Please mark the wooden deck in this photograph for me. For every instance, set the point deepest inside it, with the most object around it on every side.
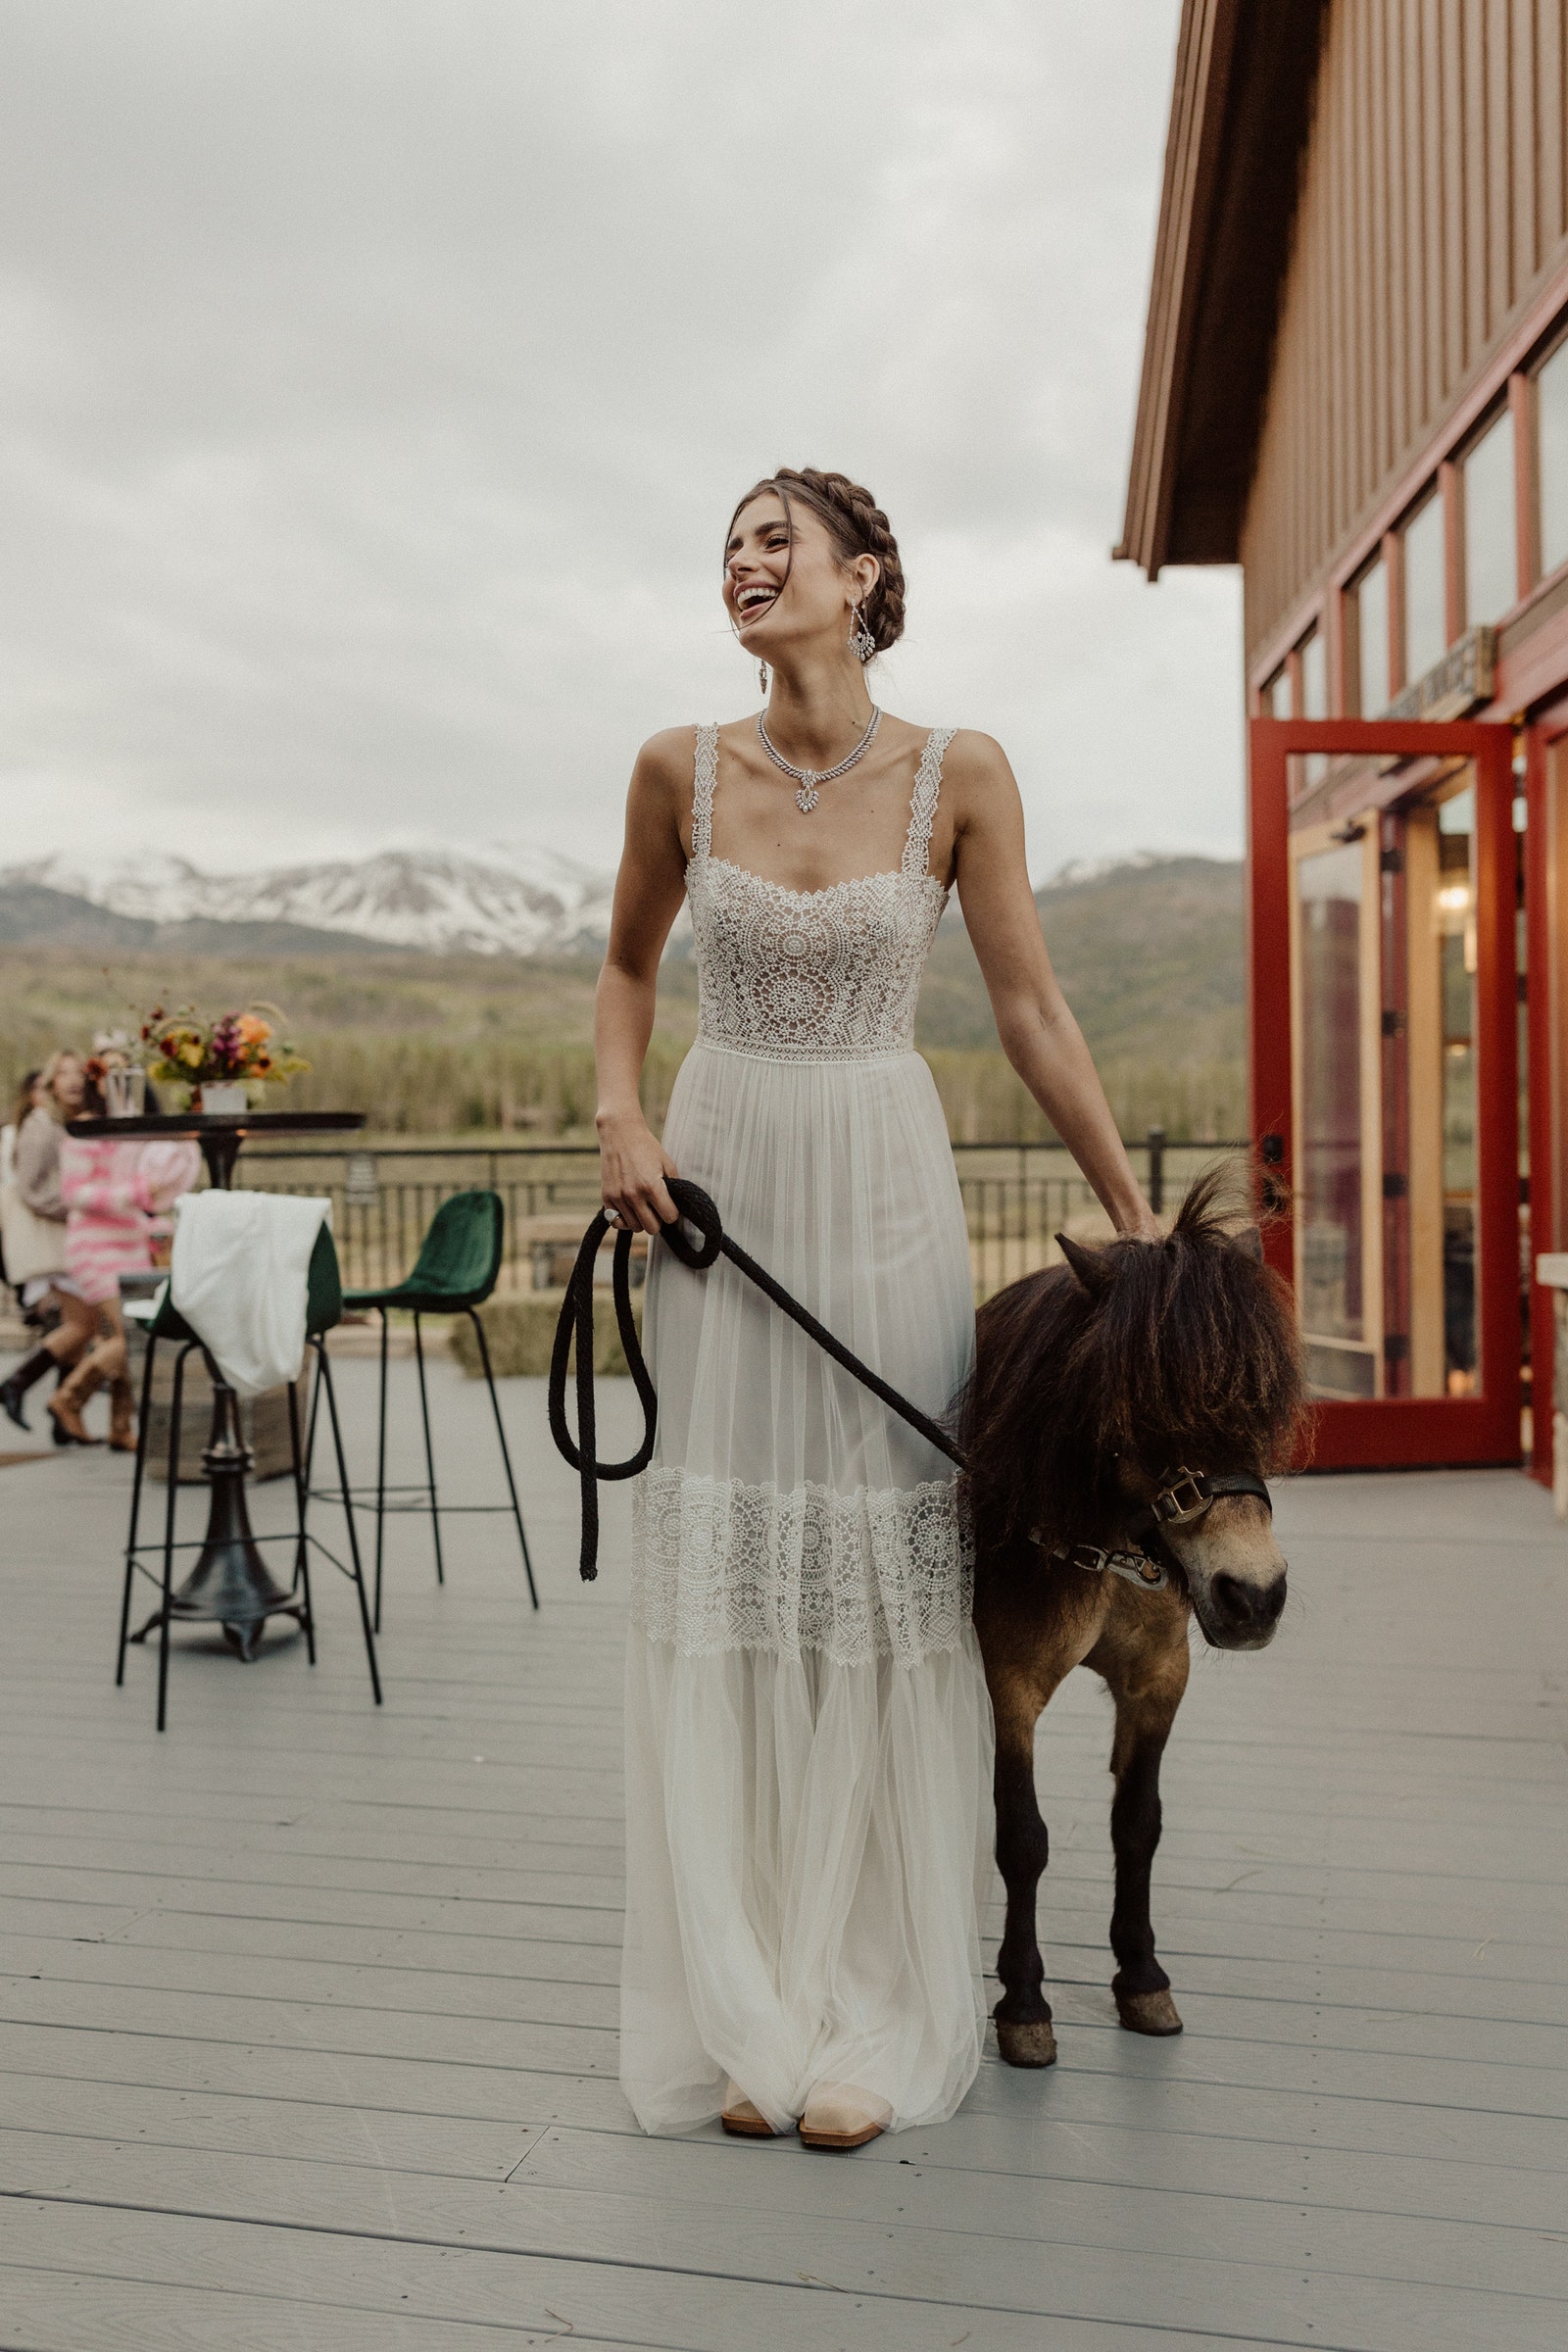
(309, 2024)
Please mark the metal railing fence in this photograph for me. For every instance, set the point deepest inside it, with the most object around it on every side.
(1016, 1196)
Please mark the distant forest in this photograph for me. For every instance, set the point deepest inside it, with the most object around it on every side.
(1150, 955)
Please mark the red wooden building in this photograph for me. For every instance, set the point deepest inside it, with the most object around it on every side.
(1355, 386)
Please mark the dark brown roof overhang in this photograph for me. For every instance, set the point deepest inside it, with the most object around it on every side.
(1240, 114)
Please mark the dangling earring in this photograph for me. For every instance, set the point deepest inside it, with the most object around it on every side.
(863, 644)
(761, 675)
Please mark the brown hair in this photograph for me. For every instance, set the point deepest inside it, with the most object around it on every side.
(856, 526)
(24, 1085)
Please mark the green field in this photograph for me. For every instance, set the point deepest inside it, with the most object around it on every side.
(1151, 958)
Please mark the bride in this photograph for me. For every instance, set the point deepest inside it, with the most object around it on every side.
(807, 1727)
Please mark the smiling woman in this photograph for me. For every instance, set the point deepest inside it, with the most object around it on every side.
(807, 1731)
(856, 528)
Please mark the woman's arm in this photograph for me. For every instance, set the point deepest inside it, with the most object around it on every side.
(1037, 1033)
(90, 1187)
(169, 1169)
(632, 1163)
(37, 1165)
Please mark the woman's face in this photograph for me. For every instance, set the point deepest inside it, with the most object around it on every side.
(769, 615)
(69, 1085)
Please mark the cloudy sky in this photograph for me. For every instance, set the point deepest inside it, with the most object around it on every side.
(378, 375)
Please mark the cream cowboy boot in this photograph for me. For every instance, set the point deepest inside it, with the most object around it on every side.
(739, 2118)
(840, 2115)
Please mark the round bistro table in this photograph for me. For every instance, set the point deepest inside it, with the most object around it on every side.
(230, 1584)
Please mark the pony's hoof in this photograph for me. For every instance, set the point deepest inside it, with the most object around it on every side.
(1149, 2012)
(1026, 2046)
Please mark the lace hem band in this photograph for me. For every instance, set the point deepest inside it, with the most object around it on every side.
(720, 1565)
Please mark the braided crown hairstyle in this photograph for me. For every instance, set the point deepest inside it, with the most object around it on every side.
(856, 526)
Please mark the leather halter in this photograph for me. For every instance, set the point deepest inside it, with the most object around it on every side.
(1187, 1496)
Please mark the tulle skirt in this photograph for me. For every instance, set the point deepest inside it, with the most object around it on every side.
(807, 1727)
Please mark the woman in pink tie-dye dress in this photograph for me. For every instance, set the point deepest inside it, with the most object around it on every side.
(117, 1197)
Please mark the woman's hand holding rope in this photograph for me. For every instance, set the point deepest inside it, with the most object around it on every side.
(634, 1166)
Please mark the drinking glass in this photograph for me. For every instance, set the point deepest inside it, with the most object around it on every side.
(125, 1093)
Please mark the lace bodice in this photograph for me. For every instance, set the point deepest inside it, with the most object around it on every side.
(812, 975)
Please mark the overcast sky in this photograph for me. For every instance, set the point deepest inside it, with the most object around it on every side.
(378, 375)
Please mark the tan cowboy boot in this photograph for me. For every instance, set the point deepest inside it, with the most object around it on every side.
(840, 2115)
(122, 1417)
(740, 2117)
(68, 1398)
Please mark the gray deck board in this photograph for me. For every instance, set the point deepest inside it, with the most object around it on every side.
(934, 2239)
(308, 2014)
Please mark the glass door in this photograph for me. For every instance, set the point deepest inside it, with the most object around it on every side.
(1337, 1213)
(1382, 958)
(1433, 947)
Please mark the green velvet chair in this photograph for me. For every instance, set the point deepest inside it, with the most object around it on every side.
(453, 1274)
(161, 1322)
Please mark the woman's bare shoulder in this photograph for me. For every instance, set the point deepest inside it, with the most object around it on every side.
(977, 778)
(668, 757)
(971, 755)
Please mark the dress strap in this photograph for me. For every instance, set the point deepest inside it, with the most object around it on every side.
(923, 801)
(705, 775)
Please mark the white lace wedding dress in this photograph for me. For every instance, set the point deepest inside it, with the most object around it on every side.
(807, 1727)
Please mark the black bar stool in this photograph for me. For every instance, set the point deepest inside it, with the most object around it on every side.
(453, 1274)
(230, 1584)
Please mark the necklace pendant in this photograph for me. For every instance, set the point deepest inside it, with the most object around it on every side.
(806, 797)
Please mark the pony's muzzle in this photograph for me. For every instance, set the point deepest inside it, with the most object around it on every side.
(1235, 1571)
(1241, 1611)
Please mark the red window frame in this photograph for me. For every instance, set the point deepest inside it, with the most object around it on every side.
(1393, 1433)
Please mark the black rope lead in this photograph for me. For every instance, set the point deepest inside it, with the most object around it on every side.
(577, 1323)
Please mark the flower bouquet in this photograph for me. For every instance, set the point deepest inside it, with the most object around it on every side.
(220, 1061)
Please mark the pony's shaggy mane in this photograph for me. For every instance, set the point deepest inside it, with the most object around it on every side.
(1182, 1353)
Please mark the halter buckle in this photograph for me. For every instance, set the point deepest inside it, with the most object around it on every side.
(1186, 1499)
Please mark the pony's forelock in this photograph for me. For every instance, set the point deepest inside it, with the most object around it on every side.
(1187, 1355)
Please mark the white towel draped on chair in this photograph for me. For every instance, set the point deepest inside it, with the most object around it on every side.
(239, 1275)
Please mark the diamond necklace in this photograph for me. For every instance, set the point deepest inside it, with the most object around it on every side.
(807, 779)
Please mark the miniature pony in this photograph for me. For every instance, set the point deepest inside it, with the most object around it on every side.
(1123, 1412)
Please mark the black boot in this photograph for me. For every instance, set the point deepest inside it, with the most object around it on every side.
(13, 1390)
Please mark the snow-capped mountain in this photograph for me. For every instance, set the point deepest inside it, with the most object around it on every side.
(501, 899)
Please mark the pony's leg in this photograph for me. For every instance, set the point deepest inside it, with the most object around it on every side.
(1024, 2033)
(1142, 1656)
(1024, 1660)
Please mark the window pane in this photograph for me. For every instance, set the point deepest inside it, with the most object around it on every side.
(1277, 695)
(1315, 703)
(1426, 619)
(1315, 677)
(1329, 1171)
(1457, 949)
(1491, 581)
(1372, 635)
(1430, 1073)
(1552, 391)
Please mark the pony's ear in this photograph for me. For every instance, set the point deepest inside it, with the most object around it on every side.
(1249, 1242)
(1088, 1266)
